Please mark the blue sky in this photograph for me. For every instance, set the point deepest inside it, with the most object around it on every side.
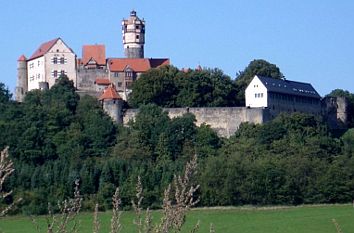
(310, 41)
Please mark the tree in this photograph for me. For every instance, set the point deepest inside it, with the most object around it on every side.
(169, 87)
(205, 88)
(6, 169)
(348, 142)
(256, 67)
(149, 123)
(5, 94)
(155, 87)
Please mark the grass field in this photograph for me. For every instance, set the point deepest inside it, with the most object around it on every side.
(230, 220)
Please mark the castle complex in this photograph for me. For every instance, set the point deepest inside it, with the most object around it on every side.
(110, 80)
(93, 72)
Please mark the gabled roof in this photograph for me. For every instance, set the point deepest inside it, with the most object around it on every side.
(289, 87)
(97, 52)
(22, 58)
(43, 49)
(110, 93)
(139, 65)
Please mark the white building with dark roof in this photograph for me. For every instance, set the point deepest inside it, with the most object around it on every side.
(280, 95)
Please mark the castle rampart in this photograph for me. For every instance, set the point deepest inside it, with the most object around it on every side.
(224, 120)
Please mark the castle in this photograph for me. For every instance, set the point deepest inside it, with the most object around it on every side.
(110, 80)
(93, 72)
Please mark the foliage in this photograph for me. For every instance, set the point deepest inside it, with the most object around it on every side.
(56, 137)
(169, 87)
(6, 169)
(155, 86)
(5, 94)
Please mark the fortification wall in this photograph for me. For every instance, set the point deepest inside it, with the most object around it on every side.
(225, 121)
(335, 111)
(86, 78)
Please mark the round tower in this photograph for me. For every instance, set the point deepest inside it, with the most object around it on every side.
(21, 86)
(112, 103)
(133, 30)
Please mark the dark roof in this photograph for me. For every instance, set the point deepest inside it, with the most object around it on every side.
(289, 87)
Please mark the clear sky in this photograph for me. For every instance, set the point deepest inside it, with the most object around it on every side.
(310, 41)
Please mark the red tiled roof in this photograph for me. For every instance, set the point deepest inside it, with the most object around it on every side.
(44, 48)
(97, 52)
(137, 64)
(110, 93)
(102, 81)
(22, 58)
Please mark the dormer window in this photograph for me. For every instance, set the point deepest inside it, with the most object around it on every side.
(129, 74)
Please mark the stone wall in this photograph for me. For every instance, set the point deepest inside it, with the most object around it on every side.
(225, 121)
(86, 78)
(335, 112)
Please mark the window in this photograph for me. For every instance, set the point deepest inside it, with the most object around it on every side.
(137, 37)
(38, 76)
(255, 95)
(39, 63)
(55, 73)
(32, 78)
(261, 95)
(62, 72)
(137, 27)
(31, 65)
(62, 60)
(55, 60)
(119, 84)
(129, 74)
(116, 74)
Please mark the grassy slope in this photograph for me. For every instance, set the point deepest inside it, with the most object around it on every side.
(301, 219)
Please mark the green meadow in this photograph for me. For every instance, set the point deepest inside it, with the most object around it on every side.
(241, 219)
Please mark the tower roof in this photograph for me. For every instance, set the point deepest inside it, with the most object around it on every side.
(110, 93)
(133, 18)
(22, 58)
(133, 13)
